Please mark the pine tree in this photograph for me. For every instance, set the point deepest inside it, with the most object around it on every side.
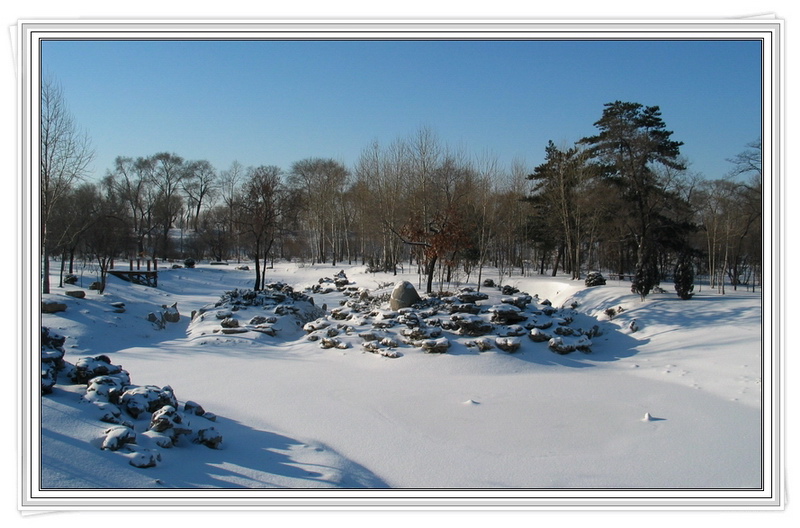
(633, 140)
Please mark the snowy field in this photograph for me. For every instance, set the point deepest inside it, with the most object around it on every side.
(676, 404)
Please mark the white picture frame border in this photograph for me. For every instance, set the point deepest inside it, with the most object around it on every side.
(770, 496)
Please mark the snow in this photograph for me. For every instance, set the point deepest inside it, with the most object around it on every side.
(295, 415)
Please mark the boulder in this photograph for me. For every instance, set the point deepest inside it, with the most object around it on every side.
(78, 294)
(403, 295)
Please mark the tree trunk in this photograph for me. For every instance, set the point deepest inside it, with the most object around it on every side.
(430, 269)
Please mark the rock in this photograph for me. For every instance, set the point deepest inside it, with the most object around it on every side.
(261, 329)
(506, 314)
(558, 345)
(171, 314)
(209, 437)
(520, 301)
(488, 283)
(377, 348)
(235, 330)
(50, 307)
(258, 320)
(96, 286)
(484, 344)
(470, 308)
(470, 297)
(509, 290)
(49, 377)
(88, 368)
(331, 342)
(104, 389)
(403, 295)
(52, 359)
(157, 320)
(116, 437)
(389, 342)
(538, 336)
(508, 344)
(71, 279)
(191, 407)
(145, 459)
(435, 346)
(471, 325)
(138, 400)
(78, 294)
(163, 419)
(230, 322)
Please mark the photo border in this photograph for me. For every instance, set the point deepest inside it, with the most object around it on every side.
(771, 495)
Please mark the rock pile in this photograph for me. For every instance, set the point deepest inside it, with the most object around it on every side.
(282, 309)
(142, 418)
(52, 358)
(435, 323)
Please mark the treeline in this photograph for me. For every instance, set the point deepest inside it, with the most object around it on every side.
(621, 202)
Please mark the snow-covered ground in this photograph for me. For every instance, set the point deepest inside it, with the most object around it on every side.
(295, 415)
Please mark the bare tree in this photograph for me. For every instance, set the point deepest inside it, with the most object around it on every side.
(259, 207)
(322, 183)
(168, 173)
(64, 159)
(200, 185)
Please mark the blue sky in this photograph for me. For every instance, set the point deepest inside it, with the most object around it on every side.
(273, 103)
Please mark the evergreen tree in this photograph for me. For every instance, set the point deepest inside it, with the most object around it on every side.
(632, 142)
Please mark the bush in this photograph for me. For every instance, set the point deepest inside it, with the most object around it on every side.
(595, 278)
(189, 263)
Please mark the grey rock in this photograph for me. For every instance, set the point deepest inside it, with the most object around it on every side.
(403, 295)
